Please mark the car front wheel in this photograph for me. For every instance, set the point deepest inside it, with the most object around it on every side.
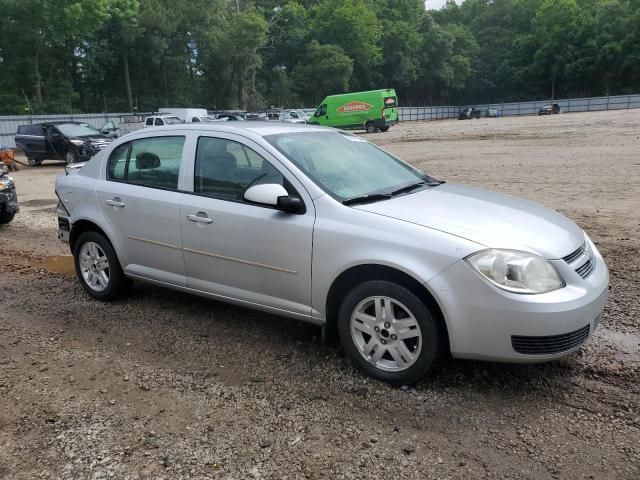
(98, 268)
(388, 332)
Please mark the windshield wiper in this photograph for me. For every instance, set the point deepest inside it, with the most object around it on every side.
(372, 197)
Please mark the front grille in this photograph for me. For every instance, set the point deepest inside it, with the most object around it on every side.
(573, 255)
(549, 344)
(585, 270)
(582, 261)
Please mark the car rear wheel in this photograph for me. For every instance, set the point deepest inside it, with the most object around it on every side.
(385, 128)
(370, 127)
(7, 217)
(98, 268)
(70, 157)
(388, 332)
(33, 162)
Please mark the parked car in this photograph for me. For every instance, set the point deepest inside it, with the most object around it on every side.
(469, 113)
(549, 109)
(294, 116)
(230, 117)
(8, 197)
(122, 125)
(373, 111)
(69, 141)
(160, 120)
(491, 113)
(323, 226)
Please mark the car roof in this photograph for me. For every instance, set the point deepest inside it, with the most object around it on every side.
(256, 127)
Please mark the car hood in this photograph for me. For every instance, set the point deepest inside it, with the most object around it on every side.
(491, 219)
(99, 138)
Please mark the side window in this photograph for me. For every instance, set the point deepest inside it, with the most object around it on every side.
(293, 114)
(150, 162)
(117, 166)
(322, 111)
(195, 119)
(149, 121)
(159, 121)
(35, 130)
(225, 168)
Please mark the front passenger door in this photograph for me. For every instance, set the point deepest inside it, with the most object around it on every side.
(237, 250)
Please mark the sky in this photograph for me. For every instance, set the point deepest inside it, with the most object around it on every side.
(437, 4)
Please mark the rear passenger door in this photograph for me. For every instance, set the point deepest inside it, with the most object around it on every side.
(30, 139)
(140, 200)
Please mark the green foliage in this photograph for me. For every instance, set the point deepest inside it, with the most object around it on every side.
(91, 55)
(327, 70)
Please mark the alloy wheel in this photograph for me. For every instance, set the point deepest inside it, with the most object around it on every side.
(386, 333)
(94, 266)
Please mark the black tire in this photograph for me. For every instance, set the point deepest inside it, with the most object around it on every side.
(33, 162)
(385, 128)
(370, 127)
(70, 157)
(431, 345)
(117, 284)
(6, 217)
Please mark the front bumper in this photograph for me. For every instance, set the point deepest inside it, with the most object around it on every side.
(483, 320)
(9, 201)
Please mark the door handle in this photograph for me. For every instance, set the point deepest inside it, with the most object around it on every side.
(115, 202)
(200, 217)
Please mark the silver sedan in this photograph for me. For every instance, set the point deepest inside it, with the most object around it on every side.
(323, 226)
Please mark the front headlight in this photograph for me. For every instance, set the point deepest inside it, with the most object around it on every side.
(516, 271)
(77, 142)
(6, 182)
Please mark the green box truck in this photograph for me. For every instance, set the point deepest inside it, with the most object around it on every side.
(372, 111)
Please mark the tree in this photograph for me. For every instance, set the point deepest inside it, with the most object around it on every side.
(353, 26)
(327, 71)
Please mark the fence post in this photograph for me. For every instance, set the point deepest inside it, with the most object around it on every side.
(628, 101)
(608, 97)
(588, 104)
(569, 106)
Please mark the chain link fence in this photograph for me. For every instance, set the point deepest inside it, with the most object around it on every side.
(569, 105)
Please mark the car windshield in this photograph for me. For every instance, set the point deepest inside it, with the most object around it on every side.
(345, 165)
(171, 120)
(76, 129)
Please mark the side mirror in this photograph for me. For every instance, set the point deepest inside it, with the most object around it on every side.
(274, 195)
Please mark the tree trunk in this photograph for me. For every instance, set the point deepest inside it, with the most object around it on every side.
(127, 80)
(165, 98)
(36, 65)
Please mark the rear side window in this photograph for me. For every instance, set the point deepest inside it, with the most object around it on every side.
(30, 130)
(149, 121)
(149, 162)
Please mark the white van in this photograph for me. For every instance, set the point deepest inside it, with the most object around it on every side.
(162, 119)
(189, 115)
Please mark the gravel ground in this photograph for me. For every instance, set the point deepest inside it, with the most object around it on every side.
(165, 385)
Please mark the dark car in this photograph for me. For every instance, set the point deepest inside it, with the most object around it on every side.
(549, 109)
(69, 141)
(469, 113)
(231, 117)
(8, 198)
